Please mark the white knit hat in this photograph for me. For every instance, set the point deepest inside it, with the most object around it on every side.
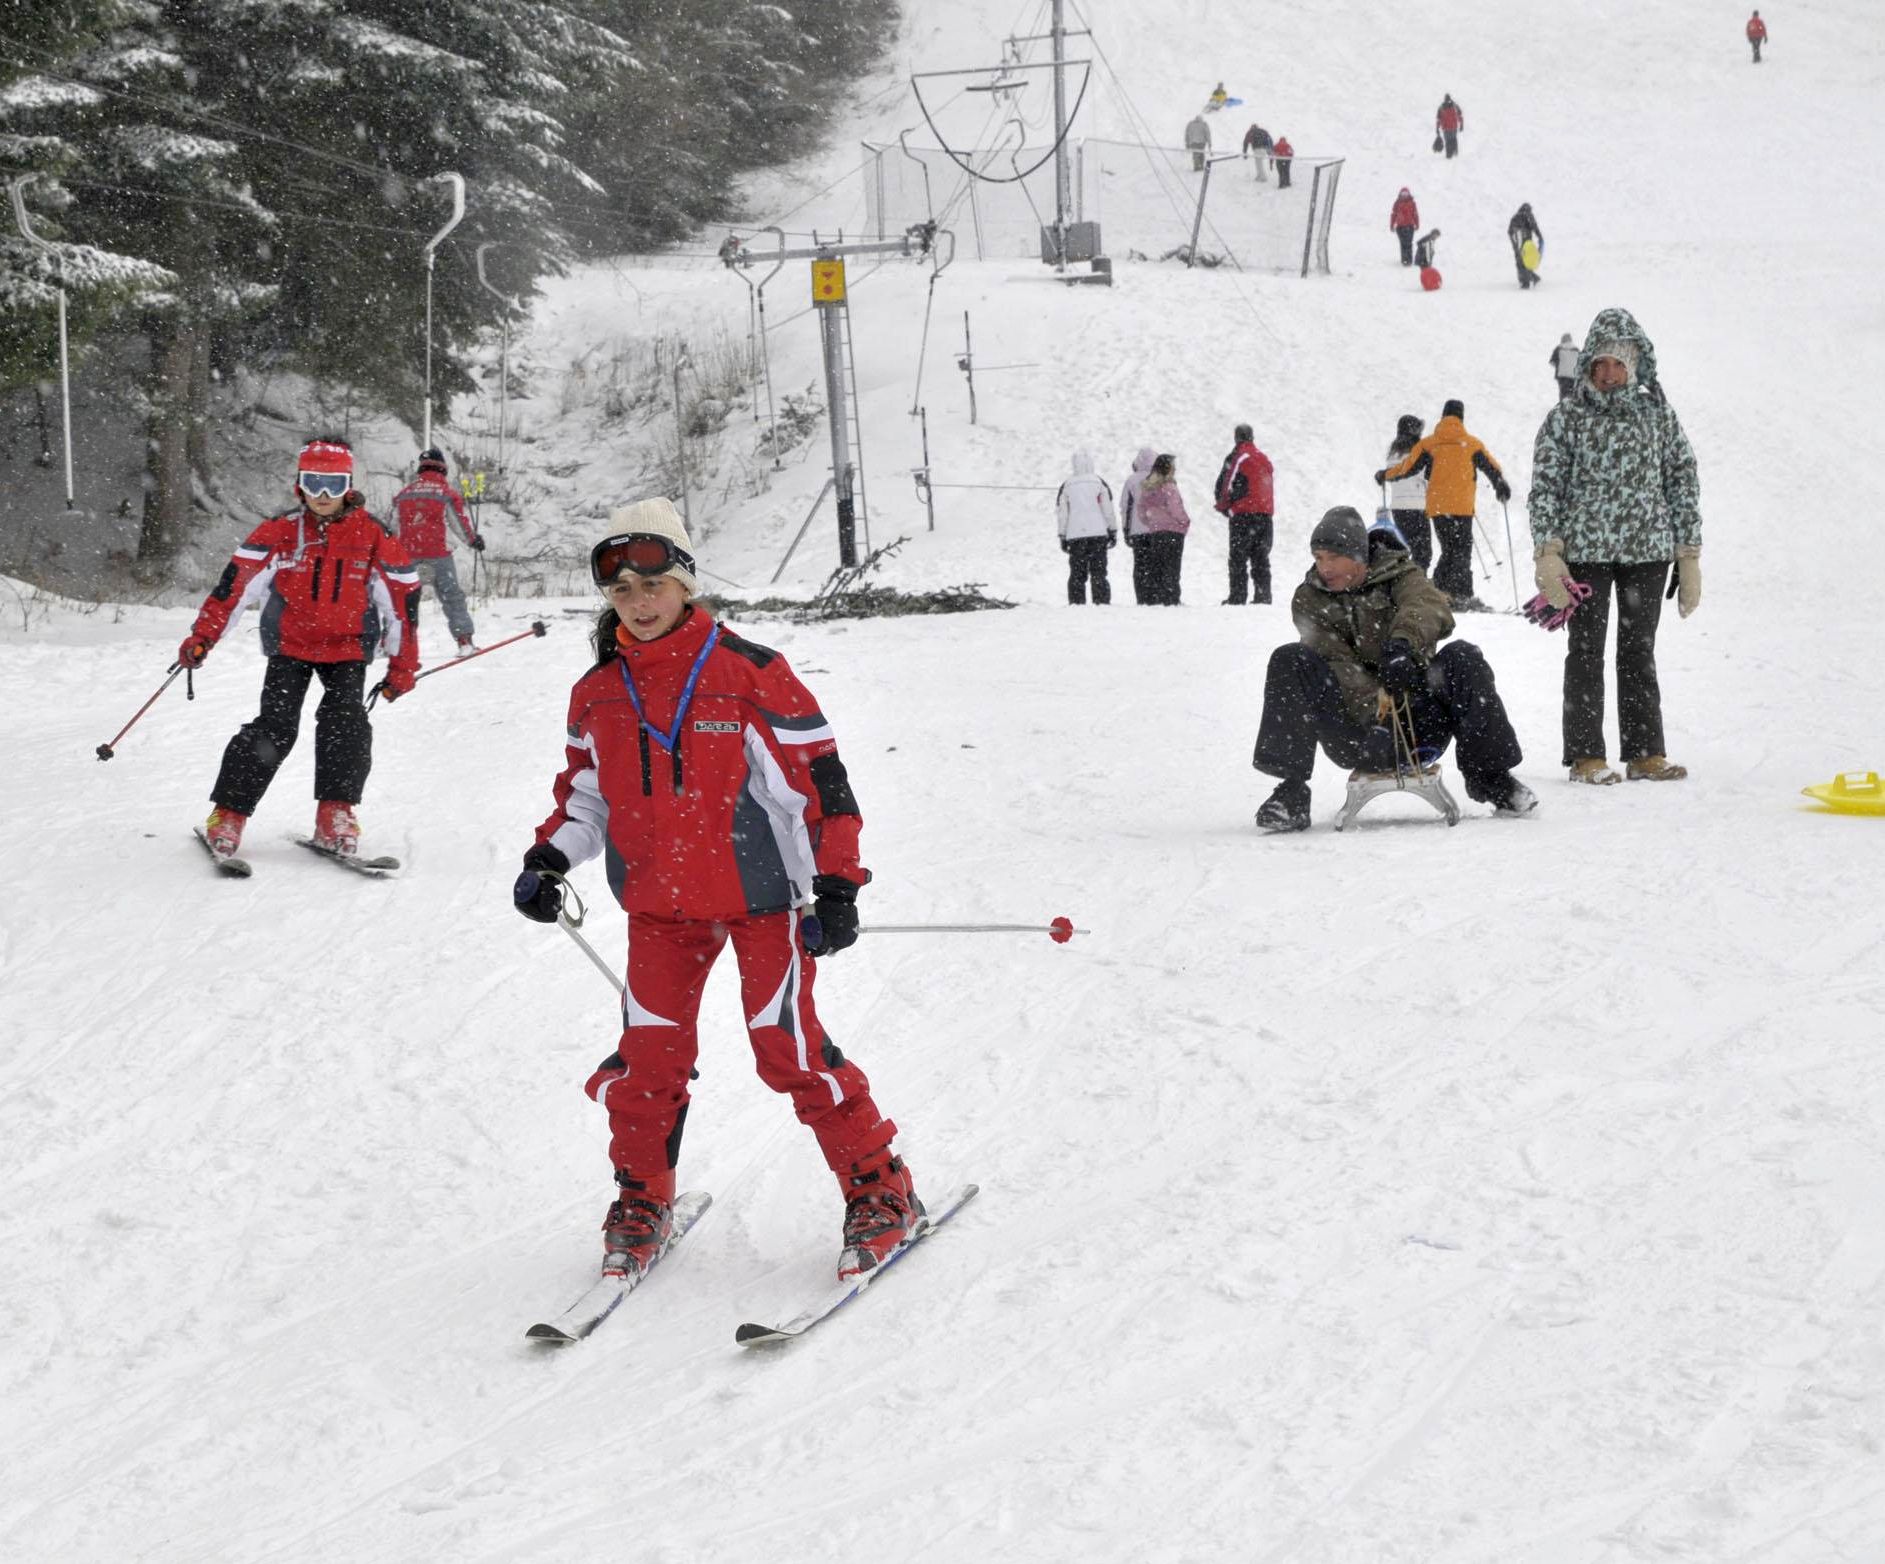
(1622, 350)
(658, 518)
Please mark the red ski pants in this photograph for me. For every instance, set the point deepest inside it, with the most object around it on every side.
(643, 1084)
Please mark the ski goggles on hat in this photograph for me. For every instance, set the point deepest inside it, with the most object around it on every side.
(324, 485)
(640, 553)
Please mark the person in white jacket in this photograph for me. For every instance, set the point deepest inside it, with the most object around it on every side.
(1088, 529)
(1407, 497)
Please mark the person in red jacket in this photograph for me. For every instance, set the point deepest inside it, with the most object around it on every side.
(1757, 34)
(1245, 498)
(332, 586)
(1448, 121)
(705, 775)
(1281, 153)
(1404, 219)
(420, 510)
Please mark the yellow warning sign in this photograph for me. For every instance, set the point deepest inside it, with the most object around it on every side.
(828, 282)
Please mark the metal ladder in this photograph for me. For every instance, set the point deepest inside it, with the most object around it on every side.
(853, 423)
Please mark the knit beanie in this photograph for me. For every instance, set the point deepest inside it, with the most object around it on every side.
(1455, 408)
(658, 518)
(1341, 531)
(1623, 351)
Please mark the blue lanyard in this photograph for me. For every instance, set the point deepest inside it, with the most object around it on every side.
(669, 739)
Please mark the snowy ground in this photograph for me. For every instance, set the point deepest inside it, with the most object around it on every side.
(1503, 1193)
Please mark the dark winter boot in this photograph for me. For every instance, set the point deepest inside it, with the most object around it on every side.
(1506, 794)
(880, 1210)
(1286, 809)
(639, 1224)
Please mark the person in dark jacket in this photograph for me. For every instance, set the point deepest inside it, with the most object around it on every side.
(1257, 140)
(1370, 625)
(1245, 499)
(1448, 121)
(1524, 226)
(1424, 248)
(1404, 218)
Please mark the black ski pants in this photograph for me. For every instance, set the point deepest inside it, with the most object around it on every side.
(1565, 388)
(1163, 554)
(1454, 574)
(1452, 141)
(1419, 534)
(1639, 590)
(1757, 49)
(1141, 568)
(343, 736)
(1086, 557)
(1250, 538)
(1302, 707)
(1282, 173)
(1406, 236)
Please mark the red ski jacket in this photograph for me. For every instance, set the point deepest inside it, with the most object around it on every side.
(1757, 30)
(1405, 213)
(734, 820)
(1450, 117)
(1245, 483)
(330, 591)
(1283, 149)
(420, 509)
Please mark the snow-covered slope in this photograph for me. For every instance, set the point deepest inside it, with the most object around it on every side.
(1503, 1193)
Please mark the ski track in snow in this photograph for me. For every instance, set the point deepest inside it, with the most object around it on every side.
(1503, 1193)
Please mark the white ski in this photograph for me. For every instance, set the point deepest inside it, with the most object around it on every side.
(603, 1299)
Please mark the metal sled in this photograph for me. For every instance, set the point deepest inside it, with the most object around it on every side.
(1411, 774)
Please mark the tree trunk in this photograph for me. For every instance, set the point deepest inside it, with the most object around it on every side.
(167, 463)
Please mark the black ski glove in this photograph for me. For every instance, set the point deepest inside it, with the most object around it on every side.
(1065, 546)
(1400, 670)
(1501, 490)
(537, 896)
(1381, 477)
(1112, 540)
(477, 544)
(833, 924)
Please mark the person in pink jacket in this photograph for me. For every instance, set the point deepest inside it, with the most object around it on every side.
(1163, 522)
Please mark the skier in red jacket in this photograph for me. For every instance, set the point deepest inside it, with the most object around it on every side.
(420, 510)
(1404, 219)
(1245, 498)
(703, 772)
(331, 586)
(1448, 121)
(1757, 35)
(1280, 154)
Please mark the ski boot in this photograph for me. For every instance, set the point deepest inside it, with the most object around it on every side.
(335, 829)
(881, 1209)
(223, 831)
(1286, 809)
(466, 646)
(639, 1224)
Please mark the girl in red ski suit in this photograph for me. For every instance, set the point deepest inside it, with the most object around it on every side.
(332, 588)
(704, 775)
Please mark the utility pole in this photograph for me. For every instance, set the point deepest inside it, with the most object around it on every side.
(1062, 187)
(457, 182)
(504, 355)
(17, 190)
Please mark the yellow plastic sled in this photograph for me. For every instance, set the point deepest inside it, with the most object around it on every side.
(1529, 255)
(1850, 793)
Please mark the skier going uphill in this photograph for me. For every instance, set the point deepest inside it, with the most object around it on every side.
(331, 585)
(421, 509)
(703, 773)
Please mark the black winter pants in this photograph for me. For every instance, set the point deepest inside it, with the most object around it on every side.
(1565, 388)
(1086, 557)
(1141, 568)
(1454, 574)
(1419, 534)
(1452, 139)
(1163, 554)
(1639, 590)
(1302, 707)
(1282, 173)
(1757, 49)
(1406, 236)
(1250, 538)
(343, 737)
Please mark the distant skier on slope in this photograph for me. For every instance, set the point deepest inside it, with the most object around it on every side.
(1452, 460)
(1521, 228)
(1614, 501)
(1370, 625)
(331, 585)
(1283, 152)
(1448, 121)
(1757, 35)
(420, 510)
(1403, 219)
(1088, 529)
(704, 771)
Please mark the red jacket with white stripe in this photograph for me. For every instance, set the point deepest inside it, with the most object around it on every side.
(330, 591)
(737, 818)
(1246, 484)
(421, 508)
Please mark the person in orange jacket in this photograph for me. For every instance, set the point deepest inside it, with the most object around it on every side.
(1757, 35)
(1404, 219)
(331, 585)
(1452, 460)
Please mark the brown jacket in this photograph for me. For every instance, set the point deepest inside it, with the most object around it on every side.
(1350, 631)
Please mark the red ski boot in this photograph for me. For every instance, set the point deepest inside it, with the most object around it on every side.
(880, 1209)
(639, 1224)
(223, 830)
(335, 829)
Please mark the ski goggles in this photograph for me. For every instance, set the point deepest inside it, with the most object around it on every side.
(324, 485)
(640, 553)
